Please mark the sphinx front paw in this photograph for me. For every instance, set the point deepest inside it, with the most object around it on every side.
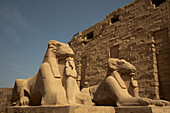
(24, 101)
(161, 103)
(145, 101)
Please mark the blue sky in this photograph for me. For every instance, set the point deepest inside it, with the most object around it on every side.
(26, 26)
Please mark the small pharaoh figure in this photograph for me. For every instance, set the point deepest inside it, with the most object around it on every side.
(70, 68)
(74, 95)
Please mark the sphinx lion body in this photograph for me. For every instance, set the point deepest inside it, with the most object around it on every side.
(46, 87)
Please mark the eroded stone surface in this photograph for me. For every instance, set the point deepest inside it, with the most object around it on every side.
(87, 109)
(5, 98)
(61, 109)
(138, 109)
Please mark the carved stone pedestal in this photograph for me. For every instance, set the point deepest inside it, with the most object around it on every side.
(61, 109)
(142, 109)
(87, 109)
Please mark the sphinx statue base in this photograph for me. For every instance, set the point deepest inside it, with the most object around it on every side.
(87, 109)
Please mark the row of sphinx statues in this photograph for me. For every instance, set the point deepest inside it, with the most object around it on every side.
(55, 83)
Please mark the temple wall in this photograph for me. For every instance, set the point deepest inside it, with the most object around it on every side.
(5, 96)
(127, 33)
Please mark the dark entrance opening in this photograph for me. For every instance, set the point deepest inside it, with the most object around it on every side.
(115, 19)
(158, 2)
(90, 35)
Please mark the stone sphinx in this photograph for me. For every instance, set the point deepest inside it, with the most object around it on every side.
(118, 88)
(55, 82)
